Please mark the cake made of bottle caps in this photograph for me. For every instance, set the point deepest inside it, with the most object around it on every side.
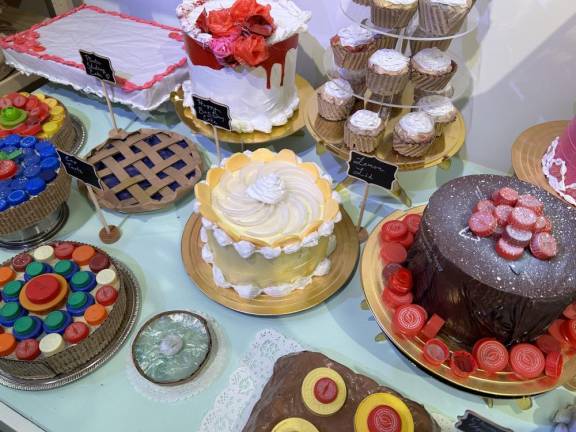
(61, 305)
(33, 184)
(37, 115)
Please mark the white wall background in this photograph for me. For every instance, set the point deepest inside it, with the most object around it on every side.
(522, 58)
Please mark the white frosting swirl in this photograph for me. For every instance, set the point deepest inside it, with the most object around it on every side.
(389, 60)
(440, 108)
(417, 122)
(355, 36)
(366, 120)
(244, 248)
(433, 60)
(268, 189)
(339, 88)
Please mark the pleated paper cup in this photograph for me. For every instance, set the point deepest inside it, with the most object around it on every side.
(355, 60)
(327, 129)
(441, 19)
(386, 42)
(363, 2)
(419, 45)
(389, 17)
(385, 84)
(440, 127)
(410, 149)
(334, 112)
(361, 143)
(430, 82)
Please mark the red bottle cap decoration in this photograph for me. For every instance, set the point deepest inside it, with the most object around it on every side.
(21, 261)
(384, 418)
(393, 252)
(491, 356)
(401, 281)
(64, 251)
(408, 320)
(548, 344)
(42, 289)
(433, 326)
(527, 361)
(462, 364)
(325, 390)
(8, 169)
(393, 230)
(27, 349)
(106, 295)
(435, 352)
(76, 332)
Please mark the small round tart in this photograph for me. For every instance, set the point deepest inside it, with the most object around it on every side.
(295, 424)
(383, 412)
(324, 391)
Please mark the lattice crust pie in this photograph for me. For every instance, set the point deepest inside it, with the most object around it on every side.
(268, 222)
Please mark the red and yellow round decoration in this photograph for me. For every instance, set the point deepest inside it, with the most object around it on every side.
(323, 391)
(383, 412)
(294, 424)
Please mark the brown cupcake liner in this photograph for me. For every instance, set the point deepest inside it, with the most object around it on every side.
(386, 85)
(440, 19)
(38, 207)
(334, 112)
(355, 60)
(385, 42)
(410, 149)
(363, 2)
(75, 356)
(419, 45)
(388, 17)
(440, 127)
(329, 130)
(431, 82)
(361, 143)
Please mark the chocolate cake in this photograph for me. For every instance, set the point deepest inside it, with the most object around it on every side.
(281, 398)
(460, 277)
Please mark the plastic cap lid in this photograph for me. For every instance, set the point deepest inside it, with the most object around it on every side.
(10, 310)
(77, 300)
(50, 127)
(51, 163)
(17, 197)
(81, 279)
(12, 289)
(3, 204)
(12, 140)
(34, 269)
(55, 320)
(28, 142)
(32, 170)
(46, 151)
(64, 267)
(8, 169)
(24, 325)
(35, 185)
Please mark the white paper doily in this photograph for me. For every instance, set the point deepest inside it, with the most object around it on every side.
(232, 407)
(206, 376)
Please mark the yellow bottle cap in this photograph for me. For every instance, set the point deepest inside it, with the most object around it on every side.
(25, 94)
(50, 128)
(58, 118)
(41, 135)
(378, 404)
(51, 102)
(40, 96)
(294, 424)
(57, 110)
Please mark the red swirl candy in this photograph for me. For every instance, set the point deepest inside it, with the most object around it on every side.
(409, 319)
(412, 221)
(547, 344)
(484, 205)
(543, 246)
(554, 364)
(527, 361)
(507, 250)
(393, 300)
(491, 356)
(483, 224)
(530, 202)
(435, 352)
(401, 281)
(384, 418)
(502, 213)
(523, 218)
(433, 326)
(394, 230)
(325, 390)
(517, 237)
(543, 224)
(388, 270)
(462, 364)
(477, 345)
(393, 252)
(506, 195)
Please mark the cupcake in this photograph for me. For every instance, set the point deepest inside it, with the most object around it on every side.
(388, 72)
(442, 17)
(440, 108)
(447, 91)
(393, 13)
(413, 134)
(363, 131)
(356, 78)
(419, 45)
(386, 42)
(336, 100)
(352, 47)
(431, 69)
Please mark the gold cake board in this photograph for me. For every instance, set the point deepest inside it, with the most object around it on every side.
(502, 384)
(344, 260)
(330, 135)
(529, 148)
(295, 123)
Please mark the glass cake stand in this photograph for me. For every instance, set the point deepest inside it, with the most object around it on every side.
(499, 385)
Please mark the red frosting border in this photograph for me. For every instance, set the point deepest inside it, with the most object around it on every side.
(9, 43)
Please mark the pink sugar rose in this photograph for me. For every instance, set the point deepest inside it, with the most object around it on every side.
(223, 47)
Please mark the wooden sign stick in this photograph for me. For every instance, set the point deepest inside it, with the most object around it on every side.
(112, 116)
(217, 141)
(98, 209)
(362, 233)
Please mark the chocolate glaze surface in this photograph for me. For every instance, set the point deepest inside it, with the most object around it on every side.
(461, 277)
(281, 398)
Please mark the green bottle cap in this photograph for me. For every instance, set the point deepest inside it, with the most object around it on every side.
(77, 300)
(24, 325)
(35, 269)
(10, 310)
(81, 279)
(64, 267)
(54, 320)
(12, 116)
(12, 288)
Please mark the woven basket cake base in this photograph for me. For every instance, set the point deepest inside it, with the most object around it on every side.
(66, 137)
(37, 208)
(150, 187)
(78, 360)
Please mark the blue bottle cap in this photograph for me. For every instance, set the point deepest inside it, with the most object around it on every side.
(31, 159)
(46, 152)
(18, 183)
(50, 163)
(48, 176)
(28, 142)
(35, 185)
(32, 171)
(3, 204)
(12, 140)
(10, 148)
(17, 197)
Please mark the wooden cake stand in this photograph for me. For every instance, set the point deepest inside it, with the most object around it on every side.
(295, 123)
(330, 135)
(528, 149)
(344, 260)
(500, 385)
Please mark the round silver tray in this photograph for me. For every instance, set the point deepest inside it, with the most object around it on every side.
(133, 305)
(81, 134)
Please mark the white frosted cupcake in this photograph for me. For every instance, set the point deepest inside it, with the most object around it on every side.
(352, 47)
(336, 100)
(356, 78)
(413, 134)
(364, 131)
(442, 17)
(431, 69)
(388, 72)
(393, 13)
(440, 108)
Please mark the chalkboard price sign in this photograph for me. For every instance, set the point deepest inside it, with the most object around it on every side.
(212, 112)
(472, 422)
(98, 66)
(80, 169)
(372, 170)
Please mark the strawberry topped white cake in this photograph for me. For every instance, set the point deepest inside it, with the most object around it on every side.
(243, 54)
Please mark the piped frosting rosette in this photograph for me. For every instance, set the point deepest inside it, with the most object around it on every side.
(268, 221)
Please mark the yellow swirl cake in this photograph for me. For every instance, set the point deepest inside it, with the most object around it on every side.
(267, 222)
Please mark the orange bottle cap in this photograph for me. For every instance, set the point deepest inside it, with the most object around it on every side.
(83, 254)
(6, 275)
(7, 344)
(95, 314)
